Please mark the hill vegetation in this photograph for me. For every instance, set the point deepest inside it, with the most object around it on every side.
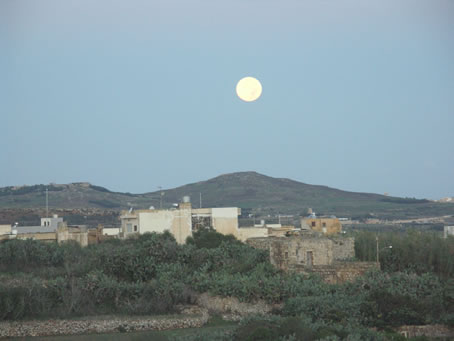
(254, 193)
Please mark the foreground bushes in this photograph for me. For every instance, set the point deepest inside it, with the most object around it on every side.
(153, 274)
(377, 300)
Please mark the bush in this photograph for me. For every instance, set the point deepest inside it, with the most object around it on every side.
(209, 239)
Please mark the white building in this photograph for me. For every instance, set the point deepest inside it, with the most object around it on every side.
(181, 222)
(47, 225)
(448, 231)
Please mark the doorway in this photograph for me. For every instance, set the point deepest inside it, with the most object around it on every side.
(309, 258)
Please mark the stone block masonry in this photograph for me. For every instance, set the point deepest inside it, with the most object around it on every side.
(330, 257)
(108, 324)
(339, 272)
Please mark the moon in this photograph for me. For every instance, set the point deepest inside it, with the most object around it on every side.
(249, 89)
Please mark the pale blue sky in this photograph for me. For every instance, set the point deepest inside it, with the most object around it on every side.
(132, 95)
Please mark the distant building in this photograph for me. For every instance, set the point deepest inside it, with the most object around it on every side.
(78, 234)
(307, 251)
(181, 222)
(184, 220)
(448, 231)
(52, 229)
(325, 225)
(5, 229)
(47, 225)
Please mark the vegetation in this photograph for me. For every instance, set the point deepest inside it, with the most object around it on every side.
(405, 200)
(39, 189)
(153, 274)
(104, 203)
(413, 251)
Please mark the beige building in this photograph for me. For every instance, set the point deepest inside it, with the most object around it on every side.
(326, 226)
(181, 222)
(5, 229)
(307, 250)
(312, 252)
(77, 234)
(52, 229)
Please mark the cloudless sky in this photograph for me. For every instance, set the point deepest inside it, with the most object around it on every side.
(136, 94)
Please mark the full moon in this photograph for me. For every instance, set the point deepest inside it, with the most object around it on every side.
(249, 89)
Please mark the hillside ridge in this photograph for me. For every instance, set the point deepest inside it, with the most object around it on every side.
(253, 192)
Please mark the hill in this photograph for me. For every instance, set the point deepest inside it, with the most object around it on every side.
(253, 192)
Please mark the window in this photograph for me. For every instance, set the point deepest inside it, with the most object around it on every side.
(286, 255)
(135, 228)
(313, 224)
(324, 224)
(129, 227)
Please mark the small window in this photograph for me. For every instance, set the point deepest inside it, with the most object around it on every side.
(286, 255)
(135, 228)
(313, 224)
(324, 224)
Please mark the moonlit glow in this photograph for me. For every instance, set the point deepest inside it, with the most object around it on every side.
(249, 89)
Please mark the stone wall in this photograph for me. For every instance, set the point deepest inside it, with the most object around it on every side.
(231, 308)
(244, 233)
(78, 234)
(343, 248)
(314, 254)
(434, 330)
(341, 272)
(306, 250)
(191, 318)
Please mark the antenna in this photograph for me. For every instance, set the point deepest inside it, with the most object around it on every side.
(47, 203)
(161, 195)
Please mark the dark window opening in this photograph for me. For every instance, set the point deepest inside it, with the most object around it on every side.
(313, 224)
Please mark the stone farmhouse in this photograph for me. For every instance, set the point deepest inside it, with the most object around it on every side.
(309, 251)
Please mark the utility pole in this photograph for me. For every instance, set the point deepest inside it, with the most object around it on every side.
(161, 194)
(376, 239)
(47, 203)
